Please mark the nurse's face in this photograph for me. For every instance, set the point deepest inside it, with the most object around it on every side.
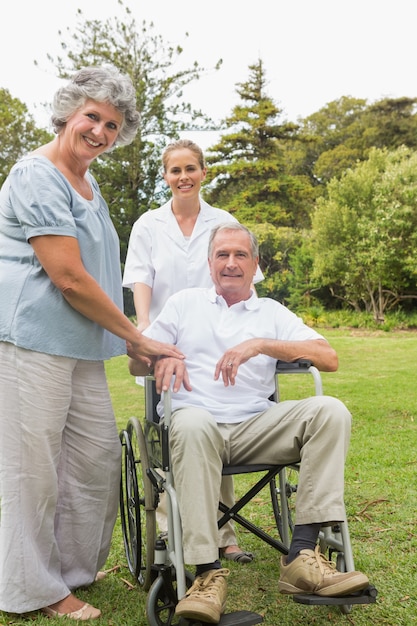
(184, 174)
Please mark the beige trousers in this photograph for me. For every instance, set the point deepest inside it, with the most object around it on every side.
(59, 476)
(227, 534)
(314, 431)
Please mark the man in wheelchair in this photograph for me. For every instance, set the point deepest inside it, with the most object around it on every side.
(222, 414)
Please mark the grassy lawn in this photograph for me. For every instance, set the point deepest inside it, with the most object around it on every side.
(376, 381)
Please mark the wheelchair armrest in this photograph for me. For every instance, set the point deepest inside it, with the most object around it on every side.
(293, 365)
(302, 366)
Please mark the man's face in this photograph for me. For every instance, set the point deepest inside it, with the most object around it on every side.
(232, 266)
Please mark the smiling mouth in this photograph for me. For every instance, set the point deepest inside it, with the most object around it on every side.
(92, 143)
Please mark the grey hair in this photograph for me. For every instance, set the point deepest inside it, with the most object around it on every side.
(234, 226)
(102, 84)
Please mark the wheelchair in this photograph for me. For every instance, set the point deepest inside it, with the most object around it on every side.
(156, 562)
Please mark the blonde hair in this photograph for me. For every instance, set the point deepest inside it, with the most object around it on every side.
(182, 144)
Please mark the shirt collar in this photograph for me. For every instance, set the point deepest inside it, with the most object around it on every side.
(251, 304)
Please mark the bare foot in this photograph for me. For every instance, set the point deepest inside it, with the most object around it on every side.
(231, 549)
(234, 553)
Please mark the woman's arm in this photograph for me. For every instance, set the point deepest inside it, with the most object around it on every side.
(61, 259)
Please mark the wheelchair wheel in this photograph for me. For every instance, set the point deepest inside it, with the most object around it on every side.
(137, 510)
(162, 600)
(283, 504)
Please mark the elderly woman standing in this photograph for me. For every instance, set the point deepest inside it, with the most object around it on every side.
(60, 318)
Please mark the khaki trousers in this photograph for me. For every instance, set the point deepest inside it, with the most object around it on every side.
(227, 534)
(314, 431)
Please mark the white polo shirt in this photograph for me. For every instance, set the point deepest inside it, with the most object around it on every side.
(201, 324)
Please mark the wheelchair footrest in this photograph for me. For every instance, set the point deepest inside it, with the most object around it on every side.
(366, 596)
(237, 618)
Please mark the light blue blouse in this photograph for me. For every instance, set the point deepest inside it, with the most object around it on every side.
(36, 199)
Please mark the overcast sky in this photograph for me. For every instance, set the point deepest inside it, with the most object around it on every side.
(313, 51)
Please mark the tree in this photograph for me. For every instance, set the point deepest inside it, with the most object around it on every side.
(329, 140)
(130, 177)
(247, 174)
(18, 132)
(365, 233)
(344, 131)
(391, 123)
(276, 245)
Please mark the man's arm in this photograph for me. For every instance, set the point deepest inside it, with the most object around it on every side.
(140, 368)
(318, 351)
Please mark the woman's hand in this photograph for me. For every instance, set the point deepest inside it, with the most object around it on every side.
(145, 347)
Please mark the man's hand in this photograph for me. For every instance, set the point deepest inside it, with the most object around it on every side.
(165, 369)
(141, 366)
(228, 365)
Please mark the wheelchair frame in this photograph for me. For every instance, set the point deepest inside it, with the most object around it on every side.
(157, 564)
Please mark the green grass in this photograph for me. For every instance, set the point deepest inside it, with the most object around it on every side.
(376, 380)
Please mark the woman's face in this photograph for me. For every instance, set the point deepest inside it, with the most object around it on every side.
(92, 129)
(184, 174)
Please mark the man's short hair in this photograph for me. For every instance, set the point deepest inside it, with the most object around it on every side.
(234, 226)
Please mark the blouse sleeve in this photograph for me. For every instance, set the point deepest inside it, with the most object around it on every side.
(41, 201)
